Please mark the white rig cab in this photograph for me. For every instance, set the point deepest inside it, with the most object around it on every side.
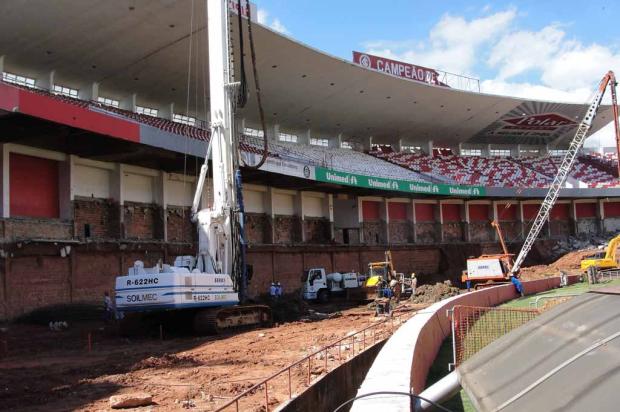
(319, 286)
(207, 280)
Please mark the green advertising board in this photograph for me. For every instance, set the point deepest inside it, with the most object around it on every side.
(408, 186)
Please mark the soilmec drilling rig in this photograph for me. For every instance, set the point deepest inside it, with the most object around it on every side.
(211, 288)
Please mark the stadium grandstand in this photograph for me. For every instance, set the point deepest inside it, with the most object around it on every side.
(104, 124)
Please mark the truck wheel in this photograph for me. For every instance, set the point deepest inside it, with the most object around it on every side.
(323, 296)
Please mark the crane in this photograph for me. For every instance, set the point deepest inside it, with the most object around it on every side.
(567, 164)
(211, 287)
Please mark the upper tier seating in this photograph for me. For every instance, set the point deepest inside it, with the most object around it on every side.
(470, 170)
(158, 122)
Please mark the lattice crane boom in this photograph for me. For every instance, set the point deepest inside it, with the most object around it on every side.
(567, 164)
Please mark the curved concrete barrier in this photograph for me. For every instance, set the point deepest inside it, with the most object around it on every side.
(405, 359)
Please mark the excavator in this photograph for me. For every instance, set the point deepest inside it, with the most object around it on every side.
(384, 272)
(603, 260)
(493, 268)
(211, 288)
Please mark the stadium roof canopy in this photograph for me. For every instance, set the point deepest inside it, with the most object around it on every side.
(141, 46)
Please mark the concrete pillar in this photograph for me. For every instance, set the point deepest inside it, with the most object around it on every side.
(167, 111)
(269, 210)
(521, 220)
(414, 231)
(367, 143)
(399, 145)
(360, 217)
(336, 142)
(304, 138)
(430, 148)
(601, 216)
(300, 211)
(1, 64)
(494, 216)
(273, 132)
(573, 216)
(129, 102)
(6, 193)
(386, 214)
(440, 220)
(467, 222)
(161, 198)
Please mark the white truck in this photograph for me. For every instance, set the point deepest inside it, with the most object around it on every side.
(319, 285)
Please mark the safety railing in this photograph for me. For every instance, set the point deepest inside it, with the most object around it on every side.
(299, 375)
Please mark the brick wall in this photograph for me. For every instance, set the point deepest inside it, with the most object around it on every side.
(179, 225)
(480, 232)
(31, 228)
(560, 228)
(257, 228)
(400, 232)
(142, 221)
(374, 232)
(427, 232)
(101, 215)
(287, 229)
(511, 230)
(452, 231)
(317, 230)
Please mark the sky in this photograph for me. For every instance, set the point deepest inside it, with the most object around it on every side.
(544, 49)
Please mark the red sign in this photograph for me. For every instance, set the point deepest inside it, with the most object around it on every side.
(544, 121)
(396, 68)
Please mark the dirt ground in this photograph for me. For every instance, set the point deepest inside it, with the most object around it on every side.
(45, 370)
(569, 263)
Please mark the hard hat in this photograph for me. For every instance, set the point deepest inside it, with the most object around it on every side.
(393, 283)
(278, 283)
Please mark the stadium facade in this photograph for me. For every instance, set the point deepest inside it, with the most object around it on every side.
(102, 134)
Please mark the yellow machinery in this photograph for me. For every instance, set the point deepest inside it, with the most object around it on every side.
(379, 271)
(603, 260)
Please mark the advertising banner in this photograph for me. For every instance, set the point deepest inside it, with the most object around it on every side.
(396, 68)
(281, 166)
(350, 179)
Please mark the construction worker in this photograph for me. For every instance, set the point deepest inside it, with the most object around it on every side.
(273, 291)
(414, 283)
(278, 290)
(518, 285)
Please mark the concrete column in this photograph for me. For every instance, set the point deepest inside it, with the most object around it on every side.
(440, 220)
(129, 102)
(467, 222)
(329, 202)
(336, 142)
(544, 150)
(413, 221)
(494, 216)
(161, 198)
(430, 148)
(269, 210)
(367, 143)
(386, 214)
(573, 216)
(167, 111)
(6, 192)
(521, 219)
(300, 211)
(65, 182)
(601, 216)
(304, 138)
(273, 132)
(399, 145)
(1, 64)
(360, 217)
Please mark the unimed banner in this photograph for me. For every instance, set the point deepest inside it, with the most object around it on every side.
(396, 68)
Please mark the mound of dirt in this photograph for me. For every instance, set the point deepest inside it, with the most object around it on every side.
(568, 263)
(167, 360)
(434, 293)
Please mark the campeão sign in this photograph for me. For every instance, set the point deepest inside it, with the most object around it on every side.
(396, 68)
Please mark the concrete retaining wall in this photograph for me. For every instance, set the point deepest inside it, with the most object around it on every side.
(336, 387)
(417, 342)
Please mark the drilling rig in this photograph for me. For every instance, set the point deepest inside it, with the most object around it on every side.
(210, 288)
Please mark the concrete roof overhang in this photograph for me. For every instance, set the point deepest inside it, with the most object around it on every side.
(142, 46)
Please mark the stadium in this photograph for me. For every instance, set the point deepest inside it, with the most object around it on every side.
(105, 120)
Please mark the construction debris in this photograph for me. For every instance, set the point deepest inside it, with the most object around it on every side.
(434, 293)
(130, 400)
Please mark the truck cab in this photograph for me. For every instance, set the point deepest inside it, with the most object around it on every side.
(319, 285)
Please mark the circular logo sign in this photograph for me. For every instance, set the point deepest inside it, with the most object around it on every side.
(365, 60)
(306, 172)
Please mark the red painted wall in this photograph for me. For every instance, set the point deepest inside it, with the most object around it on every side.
(561, 211)
(397, 211)
(33, 186)
(451, 212)
(424, 212)
(371, 210)
(479, 213)
(612, 209)
(507, 214)
(584, 210)
(530, 211)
